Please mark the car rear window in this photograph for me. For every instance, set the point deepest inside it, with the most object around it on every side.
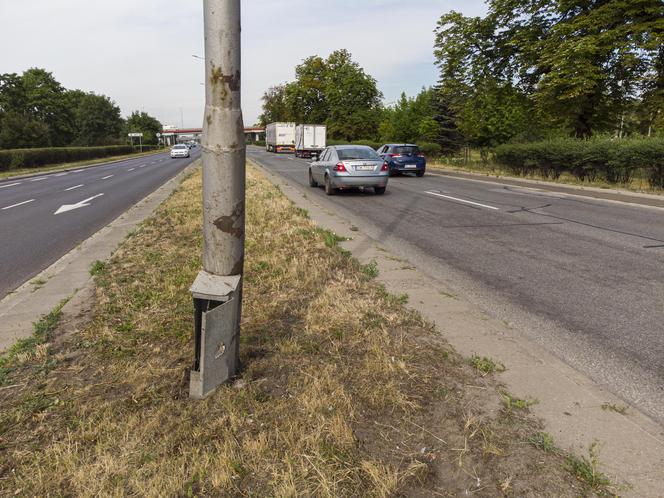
(359, 153)
(180, 147)
(407, 150)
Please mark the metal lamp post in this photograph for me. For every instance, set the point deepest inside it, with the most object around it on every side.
(217, 290)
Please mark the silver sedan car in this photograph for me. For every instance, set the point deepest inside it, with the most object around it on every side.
(349, 166)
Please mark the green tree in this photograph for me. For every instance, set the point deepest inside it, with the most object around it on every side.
(274, 106)
(97, 119)
(413, 119)
(579, 62)
(352, 97)
(45, 101)
(496, 114)
(335, 91)
(142, 122)
(305, 98)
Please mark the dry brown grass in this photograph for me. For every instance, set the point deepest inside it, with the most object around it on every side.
(344, 392)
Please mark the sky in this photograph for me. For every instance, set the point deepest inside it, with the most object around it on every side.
(139, 53)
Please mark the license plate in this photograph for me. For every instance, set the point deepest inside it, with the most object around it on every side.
(364, 167)
(411, 166)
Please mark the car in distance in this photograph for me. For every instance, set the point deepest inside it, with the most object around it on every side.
(349, 166)
(179, 150)
(403, 158)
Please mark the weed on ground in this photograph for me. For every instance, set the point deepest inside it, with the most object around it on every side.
(343, 392)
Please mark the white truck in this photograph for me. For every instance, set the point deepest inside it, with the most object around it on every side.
(310, 140)
(280, 137)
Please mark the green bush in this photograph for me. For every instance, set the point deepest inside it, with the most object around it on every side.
(614, 161)
(34, 158)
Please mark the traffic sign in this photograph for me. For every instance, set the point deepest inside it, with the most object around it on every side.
(135, 135)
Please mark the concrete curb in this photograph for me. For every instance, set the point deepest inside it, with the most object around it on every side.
(27, 304)
(569, 403)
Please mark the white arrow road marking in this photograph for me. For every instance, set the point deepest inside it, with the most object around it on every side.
(19, 204)
(107, 177)
(463, 200)
(74, 187)
(131, 169)
(70, 207)
(10, 185)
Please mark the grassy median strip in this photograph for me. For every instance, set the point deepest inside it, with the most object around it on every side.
(344, 391)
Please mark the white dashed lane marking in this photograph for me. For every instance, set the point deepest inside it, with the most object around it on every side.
(463, 200)
(17, 204)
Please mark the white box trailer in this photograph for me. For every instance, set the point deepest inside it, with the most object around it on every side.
(280, 137)
(310, 139)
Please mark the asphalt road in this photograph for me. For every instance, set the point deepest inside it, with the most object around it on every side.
(33, 234)
(583, 277)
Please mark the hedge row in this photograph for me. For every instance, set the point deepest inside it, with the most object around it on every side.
(615, 161)
(33, 158)
(428, 149)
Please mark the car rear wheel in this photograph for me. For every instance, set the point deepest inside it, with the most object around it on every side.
(312, 182)
(379, 190)
(329, 190)
(420, 173)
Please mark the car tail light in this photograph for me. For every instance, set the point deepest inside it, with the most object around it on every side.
(340, 167)
(384, 167)
(420, 155)
(394, 155)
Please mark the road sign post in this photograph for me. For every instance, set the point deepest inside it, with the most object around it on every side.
(217, 291)
(140, 139)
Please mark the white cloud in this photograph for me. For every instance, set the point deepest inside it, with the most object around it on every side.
(139, 53)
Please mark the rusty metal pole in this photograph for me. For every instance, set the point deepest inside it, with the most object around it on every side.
(217, 290)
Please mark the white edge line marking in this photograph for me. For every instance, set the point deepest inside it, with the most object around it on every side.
(39, 179)
(72, 188)
(131, 169)
(78, 170)
(19, 204)
(463, 200)
(60, 174)
(10, 185)
(107, 177)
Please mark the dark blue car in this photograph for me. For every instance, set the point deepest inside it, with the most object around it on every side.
(403, 158)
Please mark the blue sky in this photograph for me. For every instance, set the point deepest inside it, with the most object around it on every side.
(140, 53)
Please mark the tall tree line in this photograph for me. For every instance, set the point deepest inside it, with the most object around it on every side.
(535, 68)
(337, 92)
(37, 111)
(529, 69)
